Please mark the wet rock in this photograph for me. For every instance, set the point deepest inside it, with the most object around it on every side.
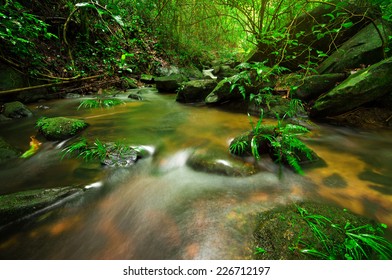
(360, 88)
(119, 156)
(169, 84)
(16, 110)
(135, 96)
(195, 91)
(365, 48)
(25, 204)
(60, 128)
(223, 92)
(7, 152)
(312, 87)
(209, 162)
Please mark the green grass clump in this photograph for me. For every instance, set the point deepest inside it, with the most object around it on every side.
(100, 103)
(361, 242)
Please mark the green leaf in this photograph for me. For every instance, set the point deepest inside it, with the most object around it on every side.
(347, 24)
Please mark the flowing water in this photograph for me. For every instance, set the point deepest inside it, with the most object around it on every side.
(162, 209)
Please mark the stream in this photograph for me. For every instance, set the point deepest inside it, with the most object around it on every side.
(160, 208)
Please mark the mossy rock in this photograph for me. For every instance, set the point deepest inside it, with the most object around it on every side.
(360, 88)
(7, 152)
(60, 128)
(169, 84)
(16, 110)
(283, 234)
(20, 205)
(195, 91)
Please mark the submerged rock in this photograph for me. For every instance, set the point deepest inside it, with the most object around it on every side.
(211, 163)
(60, 128)
(21, 205)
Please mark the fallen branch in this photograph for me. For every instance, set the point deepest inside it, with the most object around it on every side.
(47, 85)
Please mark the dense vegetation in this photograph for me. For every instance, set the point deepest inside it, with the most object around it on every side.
(68, 38)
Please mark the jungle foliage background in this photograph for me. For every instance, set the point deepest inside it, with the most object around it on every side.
(70, 38)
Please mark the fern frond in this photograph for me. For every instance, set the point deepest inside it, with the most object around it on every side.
(294, 129)
(294, 163)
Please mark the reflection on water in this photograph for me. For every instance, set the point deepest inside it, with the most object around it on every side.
(162, 209)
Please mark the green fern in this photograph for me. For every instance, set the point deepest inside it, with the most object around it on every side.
(238, 147)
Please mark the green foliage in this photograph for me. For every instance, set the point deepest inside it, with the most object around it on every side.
(358, 242)
(96, 151)
(238, 147)
(280, 141)
(100, 103)
(19, 32)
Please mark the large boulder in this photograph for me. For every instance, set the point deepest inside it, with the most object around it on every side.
(360, 88)
(365, 48)
(312, 87)
(195, 91)
(21, 205)
(169, 84)
(16, 110)
(60, 128)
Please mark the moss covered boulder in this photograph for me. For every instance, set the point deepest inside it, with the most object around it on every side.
(316, 231)
(195, 91)
(16, 110)
(169, 84)
(21, 205)
(360, 88)
(60, 128)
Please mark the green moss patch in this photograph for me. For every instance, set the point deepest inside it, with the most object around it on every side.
(60, 128)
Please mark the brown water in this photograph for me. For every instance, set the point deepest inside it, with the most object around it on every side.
(162, 209)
